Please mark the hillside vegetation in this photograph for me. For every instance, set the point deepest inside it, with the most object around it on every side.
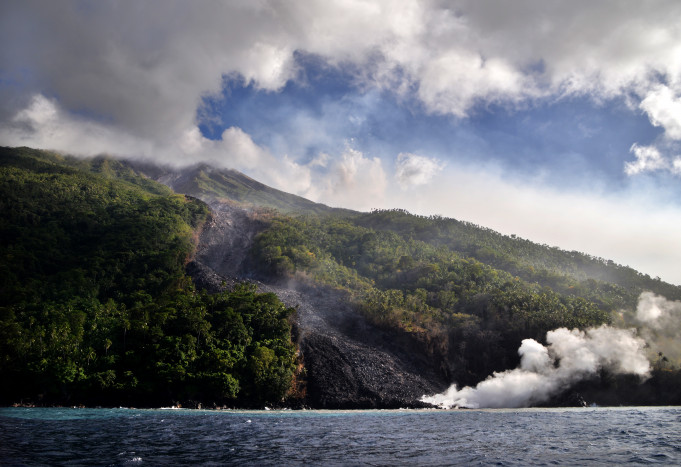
(467, 295)
(571, 272)
(95, 303)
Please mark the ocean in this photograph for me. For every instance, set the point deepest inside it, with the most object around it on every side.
(93, 437)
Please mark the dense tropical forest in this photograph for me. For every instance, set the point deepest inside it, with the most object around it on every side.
(96, 307)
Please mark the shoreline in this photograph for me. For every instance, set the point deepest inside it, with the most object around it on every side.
(266, 409)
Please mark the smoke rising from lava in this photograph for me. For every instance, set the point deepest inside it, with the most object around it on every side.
(545, 371)
(659, 322)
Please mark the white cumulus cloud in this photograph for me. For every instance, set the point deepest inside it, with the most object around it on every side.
(648, 158)
(663, 107)
(146, 67)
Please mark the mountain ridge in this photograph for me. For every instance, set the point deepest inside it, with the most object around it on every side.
(499, 250)
(205, 181)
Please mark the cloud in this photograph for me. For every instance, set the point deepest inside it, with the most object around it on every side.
(676, 166)
(44, 124)
(350, 180)
(236, 149)
(648, 159)
(632, 228)
(455, 81)
(651, 159)
(664, 110)
(412, 170)
(146, 67)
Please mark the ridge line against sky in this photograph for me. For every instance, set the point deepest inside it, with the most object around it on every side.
(556, 121)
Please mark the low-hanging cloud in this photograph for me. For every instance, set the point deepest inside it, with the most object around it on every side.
(629, 229)
(545, 371)
(44, 124)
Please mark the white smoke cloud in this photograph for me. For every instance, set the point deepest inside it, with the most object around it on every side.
(413, 170)
(659, 320)
(652, 307)
(569, 357)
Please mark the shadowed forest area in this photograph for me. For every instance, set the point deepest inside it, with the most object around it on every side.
(96, 305)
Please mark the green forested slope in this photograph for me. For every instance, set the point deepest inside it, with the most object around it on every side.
(466, 313)
(95, 306)
(405, 274)
(567, 271)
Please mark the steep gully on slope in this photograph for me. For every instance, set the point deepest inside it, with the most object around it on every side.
(349, 363)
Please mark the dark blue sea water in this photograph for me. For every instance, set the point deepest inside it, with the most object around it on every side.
(465, 437)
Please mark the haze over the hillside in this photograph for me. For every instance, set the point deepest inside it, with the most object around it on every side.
(556, 121)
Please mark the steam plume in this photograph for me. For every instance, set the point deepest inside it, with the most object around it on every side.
(569, 357)
(659, 322)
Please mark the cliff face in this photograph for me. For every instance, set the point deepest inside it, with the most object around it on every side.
(348, 362)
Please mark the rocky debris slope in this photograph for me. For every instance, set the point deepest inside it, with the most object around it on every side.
(226, 239)
(349, 363)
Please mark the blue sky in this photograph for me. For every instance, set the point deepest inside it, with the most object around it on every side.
(569, 141)
(556, 121)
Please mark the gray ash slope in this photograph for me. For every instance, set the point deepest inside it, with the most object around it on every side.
(349, 362)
